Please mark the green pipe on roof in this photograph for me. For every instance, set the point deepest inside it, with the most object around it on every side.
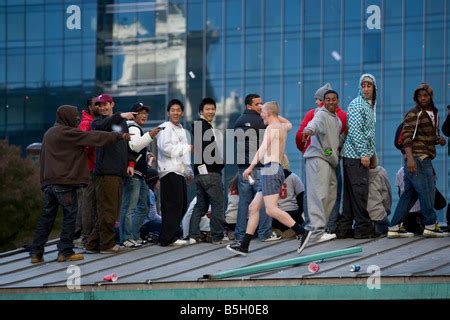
(262, 267)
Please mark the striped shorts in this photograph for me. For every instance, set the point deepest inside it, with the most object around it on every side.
(272, 177)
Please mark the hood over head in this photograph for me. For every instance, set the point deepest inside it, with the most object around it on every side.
(67, 115)
(427, 88)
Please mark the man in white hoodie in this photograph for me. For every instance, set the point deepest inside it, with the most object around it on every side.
(174, 169)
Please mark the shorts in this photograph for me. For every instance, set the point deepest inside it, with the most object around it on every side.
(272, 177)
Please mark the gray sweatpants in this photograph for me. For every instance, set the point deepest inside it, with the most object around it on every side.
(321, 194)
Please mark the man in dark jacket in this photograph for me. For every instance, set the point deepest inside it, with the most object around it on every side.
(111, 167)
(64, 169)
(208, 166)
(249, 130)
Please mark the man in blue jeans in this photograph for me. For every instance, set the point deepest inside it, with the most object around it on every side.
(64, 170)
(249, 129)
(420, 135)
(208, 166)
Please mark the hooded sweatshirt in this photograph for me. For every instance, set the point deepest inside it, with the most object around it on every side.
(325, 141)
(303, 145)
(423, 144)
(360, 140)
(63, 156)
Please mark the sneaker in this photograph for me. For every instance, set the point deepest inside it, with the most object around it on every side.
(114, 249)
(72, 257)
(304, 238)
(190, 241)
(400, 232)
(236, 248)
(131, 244)
(37, 259)
(179, 243)
(141, 241)
(434, 233)
(326, 237)
(273, 237)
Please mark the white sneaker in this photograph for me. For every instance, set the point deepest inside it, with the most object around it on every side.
(131, 244)
(326, 237)
(190, 241)
(179, 243)
(273, 237)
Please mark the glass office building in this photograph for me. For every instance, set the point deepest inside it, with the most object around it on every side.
(154, 51)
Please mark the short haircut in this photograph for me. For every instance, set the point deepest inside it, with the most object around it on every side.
(328, 92)
(285, 162)
(249, 98)
(273, 107)
(206, 101)
(175, 101)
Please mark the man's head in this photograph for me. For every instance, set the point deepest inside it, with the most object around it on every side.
(270, 109)
(142, 110)
(331, 100)
(106, 104)
(92, 107)
(207, 109)
(67, 115)
(423, 96)
(368, 87)
(253, 102)
(175, 111)
(319, 95)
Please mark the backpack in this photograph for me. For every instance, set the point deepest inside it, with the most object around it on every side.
(398, 140)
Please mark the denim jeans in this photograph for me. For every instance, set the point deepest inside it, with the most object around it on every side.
(55, 196)
(246, 194)
(423, 184)
(209, 191)
(134, 207)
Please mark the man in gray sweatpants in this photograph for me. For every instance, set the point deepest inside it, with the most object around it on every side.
(322, 158)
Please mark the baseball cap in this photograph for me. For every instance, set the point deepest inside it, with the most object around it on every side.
(103, 98)
(139, 106)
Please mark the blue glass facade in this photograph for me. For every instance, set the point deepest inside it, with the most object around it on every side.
(282, 49)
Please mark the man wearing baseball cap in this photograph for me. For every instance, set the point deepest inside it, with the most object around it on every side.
(135, 195)
(110, 169)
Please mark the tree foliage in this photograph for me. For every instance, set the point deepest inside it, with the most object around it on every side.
(21, 199)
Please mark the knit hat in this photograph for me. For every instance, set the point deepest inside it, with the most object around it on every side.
(321, 91)
(367, 79)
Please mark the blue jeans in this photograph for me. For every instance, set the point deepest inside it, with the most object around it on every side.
(209, 191)
(246, 194)
(423, 184)
(56, 195)
(134, 207)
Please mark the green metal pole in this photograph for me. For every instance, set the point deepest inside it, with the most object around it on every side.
(283, 263)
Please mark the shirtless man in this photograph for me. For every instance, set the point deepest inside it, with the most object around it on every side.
(270, 152)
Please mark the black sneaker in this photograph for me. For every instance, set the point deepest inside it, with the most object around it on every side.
(236, 248)
(304, 238)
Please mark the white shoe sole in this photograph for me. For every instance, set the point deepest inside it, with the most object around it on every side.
(299, 250)
(235, 251)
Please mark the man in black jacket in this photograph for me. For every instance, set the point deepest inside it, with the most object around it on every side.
(208, 165)
(249, 130)
(111, 166)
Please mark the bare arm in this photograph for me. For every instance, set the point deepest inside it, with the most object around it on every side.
(285, 122)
